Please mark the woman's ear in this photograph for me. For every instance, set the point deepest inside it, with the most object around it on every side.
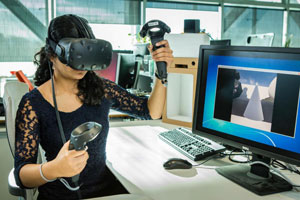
(52, 59)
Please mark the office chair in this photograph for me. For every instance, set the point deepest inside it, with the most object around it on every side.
(13, 92)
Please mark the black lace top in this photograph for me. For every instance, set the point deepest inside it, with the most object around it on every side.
(36, 124)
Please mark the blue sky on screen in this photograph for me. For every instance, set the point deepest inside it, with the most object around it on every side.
(253, 77)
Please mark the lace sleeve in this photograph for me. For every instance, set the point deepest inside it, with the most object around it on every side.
(27, 137)
(126, 102)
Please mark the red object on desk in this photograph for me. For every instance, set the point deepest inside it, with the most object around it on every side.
(22, 78)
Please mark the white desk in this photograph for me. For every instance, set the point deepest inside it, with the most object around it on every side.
(136, 156)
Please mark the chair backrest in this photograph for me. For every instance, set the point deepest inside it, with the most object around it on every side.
(13, 93)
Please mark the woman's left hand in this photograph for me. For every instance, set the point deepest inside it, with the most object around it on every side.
(162, 54)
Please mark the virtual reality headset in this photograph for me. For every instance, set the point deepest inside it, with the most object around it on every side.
(83, 53)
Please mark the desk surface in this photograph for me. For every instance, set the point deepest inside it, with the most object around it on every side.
(136, 155)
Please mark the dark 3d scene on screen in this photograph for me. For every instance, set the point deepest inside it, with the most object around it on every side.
(254, 94)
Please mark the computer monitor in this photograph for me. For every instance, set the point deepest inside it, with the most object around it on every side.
(248, 98)
(112, 70)
(128, 70)
(144, 83)
(220, 42)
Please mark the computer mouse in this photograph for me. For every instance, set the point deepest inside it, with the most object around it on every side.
(177, 163)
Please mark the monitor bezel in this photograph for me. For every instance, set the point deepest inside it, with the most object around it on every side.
(224, 42)
(119, 60)
(137, 66)
(234, 141)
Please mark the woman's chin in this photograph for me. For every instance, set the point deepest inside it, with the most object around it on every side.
(80, 74)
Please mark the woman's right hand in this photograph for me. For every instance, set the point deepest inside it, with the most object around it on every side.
(69, 163)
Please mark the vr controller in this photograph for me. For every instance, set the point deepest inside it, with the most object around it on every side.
(156, 30)
(81, 135)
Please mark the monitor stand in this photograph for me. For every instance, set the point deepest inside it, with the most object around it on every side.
(256, 178)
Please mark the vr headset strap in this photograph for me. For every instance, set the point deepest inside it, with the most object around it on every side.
(82, 26)
(51, 43)
(59, 51)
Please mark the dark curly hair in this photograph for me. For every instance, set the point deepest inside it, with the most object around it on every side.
(91, 85)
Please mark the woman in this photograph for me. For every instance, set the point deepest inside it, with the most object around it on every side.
(81, 96)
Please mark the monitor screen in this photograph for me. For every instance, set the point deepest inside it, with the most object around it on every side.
(144, 83)
(128, 70)
(248, 97)
(111, 71)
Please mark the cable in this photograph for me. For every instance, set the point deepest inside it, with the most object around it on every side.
(235, 154)
(222, 155)
(292, 168)
(219, 155)
(286, 166)
(68, 185)
(277, 164)
(203, 162)
(208, 159)
(275, 170)
(61, 130)
(62, 134)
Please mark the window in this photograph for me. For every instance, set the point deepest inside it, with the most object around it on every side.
(272, 1)
(294, 28)
(114, 21)
(240, 22)
(104, 11)
(121, 36)
(37, 8)
(295, 1)
(22, 34)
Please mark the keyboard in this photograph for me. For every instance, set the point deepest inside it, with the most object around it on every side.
(193, 146)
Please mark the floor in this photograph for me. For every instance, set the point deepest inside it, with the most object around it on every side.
(5, 166)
